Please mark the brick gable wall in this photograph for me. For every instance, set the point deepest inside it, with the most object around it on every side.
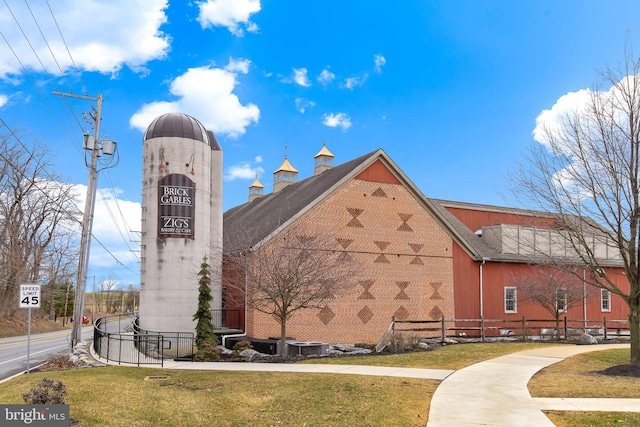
(404, 256)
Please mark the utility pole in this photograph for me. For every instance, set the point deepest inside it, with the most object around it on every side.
(92, 144)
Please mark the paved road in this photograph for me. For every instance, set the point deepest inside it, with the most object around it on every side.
(13, 350)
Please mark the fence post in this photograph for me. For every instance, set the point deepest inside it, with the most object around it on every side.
(482, 327)
(393, 325)
(605, 327)
(524, 329)
(566, 336)
(444, 334)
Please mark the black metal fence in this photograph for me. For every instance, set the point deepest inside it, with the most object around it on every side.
(119, 338)
(226, 318)
(175, 345)
(114, 339)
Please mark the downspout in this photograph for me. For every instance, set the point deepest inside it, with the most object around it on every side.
(481, 298)
(224, 338)
(244, 334)
(584, 297)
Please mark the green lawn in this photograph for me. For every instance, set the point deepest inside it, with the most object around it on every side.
(121, 396)
(578, 377)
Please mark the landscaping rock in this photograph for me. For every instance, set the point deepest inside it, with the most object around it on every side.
(586, 339)
(249, 355)
(224, 351)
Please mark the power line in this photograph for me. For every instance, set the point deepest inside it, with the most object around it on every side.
(28, 41)
(48, 196)
(86, 92)
(47, 43)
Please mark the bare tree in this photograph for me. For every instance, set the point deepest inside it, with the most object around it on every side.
(35, 209)
(291, 272)
(132, 298)
(108, 288)
(557, 291)
(586, 169)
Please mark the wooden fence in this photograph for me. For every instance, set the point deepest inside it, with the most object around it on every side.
(525, 329)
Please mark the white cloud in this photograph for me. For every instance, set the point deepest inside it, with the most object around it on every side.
(244, 170)
(207, 94)
(300, 77)
(3, 100)
(351, 82)
(378, 61)
(341, 120)
(231, 14)
(113, 223)
(550, 122)
(238, 65)
(99, 35)
(302, 104)
(325, 77)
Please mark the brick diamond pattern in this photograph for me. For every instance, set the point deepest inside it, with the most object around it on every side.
(402, 294)
(381, 245)
(326, 315)
(382, 259)
(366, 294)
(401, 313)
(417, 247)
(344, 257)
(365, 314)
(416, 261)
(345, 243)
(355, 213)
(435, 313)
(379, 193)
(436, 290)
(405, 217)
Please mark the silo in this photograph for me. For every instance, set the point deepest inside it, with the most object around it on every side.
(181, 221)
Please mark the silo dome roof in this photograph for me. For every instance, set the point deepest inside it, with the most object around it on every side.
(180, 125)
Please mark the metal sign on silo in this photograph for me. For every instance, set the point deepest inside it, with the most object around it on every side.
(176, 207)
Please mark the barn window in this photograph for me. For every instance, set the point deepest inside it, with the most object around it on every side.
(510, 299)
(605, 300)
(561, 300)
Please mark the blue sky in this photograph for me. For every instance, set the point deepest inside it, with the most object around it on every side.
(451, 90)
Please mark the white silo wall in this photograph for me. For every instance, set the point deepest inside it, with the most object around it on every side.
(169, 266)
(216, 230)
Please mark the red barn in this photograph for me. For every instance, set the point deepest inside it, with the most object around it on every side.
(419, 258)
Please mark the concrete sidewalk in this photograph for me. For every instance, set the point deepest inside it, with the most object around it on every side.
(495, 393)
(381, 371)
(489, 393)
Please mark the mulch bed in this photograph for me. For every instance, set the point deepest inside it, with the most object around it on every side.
(622, 371)
(58, 363)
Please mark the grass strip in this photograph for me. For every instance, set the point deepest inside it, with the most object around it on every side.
(120, 396)
(447, 357)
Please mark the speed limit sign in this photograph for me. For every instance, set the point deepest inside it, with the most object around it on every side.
(29, 296)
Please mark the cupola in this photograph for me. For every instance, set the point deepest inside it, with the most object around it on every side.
(284, 176)
(256, 190)
(323, 160)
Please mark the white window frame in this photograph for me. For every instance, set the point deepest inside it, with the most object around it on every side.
(513, 300)
(561, 291)
(604, 299)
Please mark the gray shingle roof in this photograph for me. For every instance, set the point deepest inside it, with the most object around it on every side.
(250, 223)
